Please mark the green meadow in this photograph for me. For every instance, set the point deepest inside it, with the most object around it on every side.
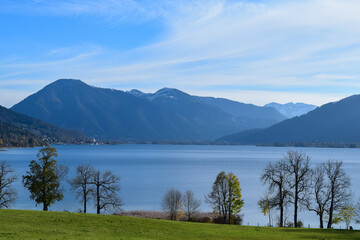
(24, 224)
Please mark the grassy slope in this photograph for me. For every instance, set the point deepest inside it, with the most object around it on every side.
(20, 224)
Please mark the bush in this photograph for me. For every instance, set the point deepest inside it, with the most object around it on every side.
(235, 219)
(300, 224)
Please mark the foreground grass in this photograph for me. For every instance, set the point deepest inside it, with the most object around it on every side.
(22, 224)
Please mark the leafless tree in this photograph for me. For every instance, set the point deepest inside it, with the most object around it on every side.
(7, 177)
(81, 183)
(106, 191)
(298, 167)
(172, 203)
(339, 187)
(275, 175)
(320, 193)
(191, 205)
(61, 171)
(218, 197)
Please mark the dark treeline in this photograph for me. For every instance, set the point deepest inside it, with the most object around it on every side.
(11, 136)
(292, 183)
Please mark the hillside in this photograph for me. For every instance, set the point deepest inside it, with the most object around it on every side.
(20, 130)
(336, 122)
(21, 224)
(11, 136)
(108, 114)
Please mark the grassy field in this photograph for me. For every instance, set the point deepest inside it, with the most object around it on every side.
(21, 224)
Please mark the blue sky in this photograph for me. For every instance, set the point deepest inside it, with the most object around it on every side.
(250, 51)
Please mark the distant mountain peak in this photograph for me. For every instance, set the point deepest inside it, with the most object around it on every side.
(291, 109)
(68, 81)
(166, 90)
(172, 93)
(137, 93)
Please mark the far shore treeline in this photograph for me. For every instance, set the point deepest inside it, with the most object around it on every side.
(291, 184)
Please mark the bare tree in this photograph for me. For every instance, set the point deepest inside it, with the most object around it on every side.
(81, 183)
(320, 193)
(339, 186)
(298, 167)
(106, 191)
(217, 198)
(7, 192)
(172, 203)
(191, 205)
(275, 175)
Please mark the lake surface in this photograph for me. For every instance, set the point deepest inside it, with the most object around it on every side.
(147, 171)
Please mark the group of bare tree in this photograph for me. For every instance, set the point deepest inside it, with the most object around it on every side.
(44, 177)
(176, 204)
(103, 188)
(225, 199)
(324, 189)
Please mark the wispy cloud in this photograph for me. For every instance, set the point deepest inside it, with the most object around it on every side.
(243, 49)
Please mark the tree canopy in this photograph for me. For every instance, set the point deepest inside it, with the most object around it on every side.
(43, 178)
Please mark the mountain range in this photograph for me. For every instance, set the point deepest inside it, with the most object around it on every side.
(166, 115)
(336, 122)
(170, 115)
(215, 110)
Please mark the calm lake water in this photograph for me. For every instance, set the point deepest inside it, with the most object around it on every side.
(147, 171)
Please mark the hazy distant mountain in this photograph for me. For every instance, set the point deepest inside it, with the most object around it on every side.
(19, 130)
(331, 123)
(254, 116)
(291, 110)
(167, 115)
(194, 107)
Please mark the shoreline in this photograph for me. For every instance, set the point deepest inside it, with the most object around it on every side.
(296, 145)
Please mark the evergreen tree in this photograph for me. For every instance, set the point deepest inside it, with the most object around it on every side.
(43, 178)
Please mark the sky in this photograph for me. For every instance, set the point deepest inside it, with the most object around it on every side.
(250, 51)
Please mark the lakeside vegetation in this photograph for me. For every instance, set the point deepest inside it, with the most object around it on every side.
(25, 224)
(292, 184)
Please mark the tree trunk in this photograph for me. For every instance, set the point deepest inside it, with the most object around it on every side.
(269, 218)
(45, 206)
(321, 220)
(281, 209)
(84, 197)
(97, 199)
(331, 213)
(296, 206)
(229, 214)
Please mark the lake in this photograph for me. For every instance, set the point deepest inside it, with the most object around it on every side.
(147, 171)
